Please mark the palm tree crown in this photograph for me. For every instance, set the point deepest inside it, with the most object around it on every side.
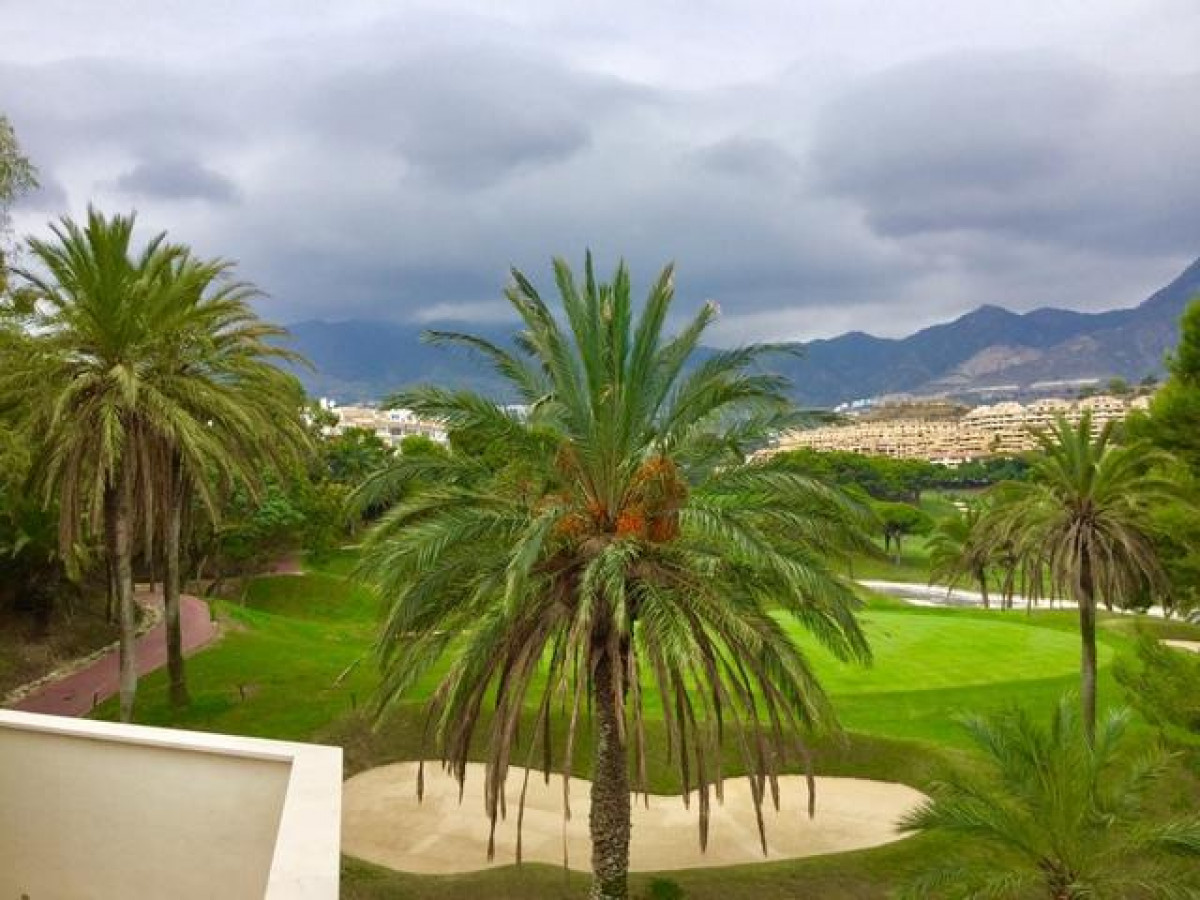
(957, 550)
(619, 555)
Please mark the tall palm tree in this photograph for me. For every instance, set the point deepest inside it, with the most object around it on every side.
(617, 554)
(1056, 814)
(1084, 516)
(149, 379)
(236, 414)
(77, 380)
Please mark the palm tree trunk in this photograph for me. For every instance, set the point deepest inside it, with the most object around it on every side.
(173, 527)
(610, 814)
(120, 551)
(1087, 631)
(110, 602)
(983, 589)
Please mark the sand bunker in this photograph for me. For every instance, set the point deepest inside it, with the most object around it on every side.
(1192, 646)
(383, 823)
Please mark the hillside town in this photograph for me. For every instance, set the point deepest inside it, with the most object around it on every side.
(1000, 429)
(390, 425)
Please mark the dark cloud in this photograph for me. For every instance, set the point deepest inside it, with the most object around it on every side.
(1022, 147)
(467, 118)
(758, 159)
(812, 175)
(178, 179)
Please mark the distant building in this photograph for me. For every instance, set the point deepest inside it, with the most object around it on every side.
(391, 425)
(999, 429)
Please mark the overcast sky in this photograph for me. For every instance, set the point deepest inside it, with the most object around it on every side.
(815, 166)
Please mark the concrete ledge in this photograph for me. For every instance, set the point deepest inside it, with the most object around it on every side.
(102, 809)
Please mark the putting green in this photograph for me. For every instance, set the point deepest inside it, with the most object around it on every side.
(924, 652)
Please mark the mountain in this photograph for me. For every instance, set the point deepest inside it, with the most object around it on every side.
(986, 348)
(366, 360)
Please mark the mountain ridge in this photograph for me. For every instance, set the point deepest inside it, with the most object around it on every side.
(986, 347)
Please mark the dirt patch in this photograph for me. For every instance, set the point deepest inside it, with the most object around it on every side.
(28, 653)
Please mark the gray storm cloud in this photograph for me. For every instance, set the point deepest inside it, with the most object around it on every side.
(852, 176)
(177, 180)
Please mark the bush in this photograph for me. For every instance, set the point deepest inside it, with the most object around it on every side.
(1163, 683)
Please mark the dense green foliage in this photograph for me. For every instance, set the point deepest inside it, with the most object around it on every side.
(1174, 419)
(34, 576)
(882, 477)
(1173, 424)
(888, 478)
(1058, 813)
(1163, 684)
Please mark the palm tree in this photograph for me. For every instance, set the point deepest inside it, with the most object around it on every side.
(611, 557)
(1058, 814)
(957, 550)
(1084, 517)
(235, 414)
(149, 383)
(77, 381)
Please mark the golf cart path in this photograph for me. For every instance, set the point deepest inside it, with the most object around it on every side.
(918, 594)
(77, 692)
(384, 823)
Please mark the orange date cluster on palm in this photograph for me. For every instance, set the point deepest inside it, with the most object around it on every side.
(650, 511)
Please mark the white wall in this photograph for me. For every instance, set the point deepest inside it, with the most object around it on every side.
(92, 809)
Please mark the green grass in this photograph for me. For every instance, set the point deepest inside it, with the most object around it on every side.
(296, 655)
(295, 663)
(934, 652)
(275, 671)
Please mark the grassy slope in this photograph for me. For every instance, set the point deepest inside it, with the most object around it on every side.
(295, 663)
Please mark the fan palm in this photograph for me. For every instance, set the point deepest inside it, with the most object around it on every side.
(1056, 814)
(1083, 517)
(615, 556)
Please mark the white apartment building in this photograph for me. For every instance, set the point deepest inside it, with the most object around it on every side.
(998, 429)
(391, 425)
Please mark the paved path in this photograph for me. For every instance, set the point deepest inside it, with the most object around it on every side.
(940, 595)
(288, 564)
(75, 694)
